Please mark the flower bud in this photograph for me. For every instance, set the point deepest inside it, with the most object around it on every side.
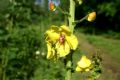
(91, 16)
(80, 2)
(52, 6)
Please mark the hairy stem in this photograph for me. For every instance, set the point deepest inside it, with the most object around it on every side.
(71, 25)
(72, 15)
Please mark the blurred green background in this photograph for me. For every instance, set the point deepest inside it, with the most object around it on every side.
(22, 27)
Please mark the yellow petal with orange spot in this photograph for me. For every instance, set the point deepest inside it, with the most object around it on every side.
(62, 49)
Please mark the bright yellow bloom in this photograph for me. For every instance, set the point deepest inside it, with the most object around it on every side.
(60, 41)
(84, 64)
(91, 16)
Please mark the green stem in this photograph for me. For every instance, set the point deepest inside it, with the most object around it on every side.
(78, 21)
(4, 64)
(71, 25)
(63, 12)
(69, 67)
(72, 15)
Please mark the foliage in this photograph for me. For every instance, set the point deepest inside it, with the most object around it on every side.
(19, 40)
(22, 24)
(18, 53)
(49, 71)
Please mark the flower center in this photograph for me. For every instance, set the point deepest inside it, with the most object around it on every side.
(62, 39)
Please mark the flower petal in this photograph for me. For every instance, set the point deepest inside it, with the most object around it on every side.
(65, 30)
(73, 41)
(53, 34)
(54, 28)
(51, 51)
(84, 62)
(63, 49)
(78, 69)
(87, 69)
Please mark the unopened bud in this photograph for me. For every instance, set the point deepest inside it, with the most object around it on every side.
(91, 16)
(52, 6)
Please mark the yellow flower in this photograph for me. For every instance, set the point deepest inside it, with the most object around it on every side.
(91, 16)
(84, 64)
(60, 41)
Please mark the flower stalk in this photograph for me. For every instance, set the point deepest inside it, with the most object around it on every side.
(72, 15)
(79, 21)
(71, 25)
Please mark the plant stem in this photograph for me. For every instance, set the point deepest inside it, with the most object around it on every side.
(4, 64)
(69, 67)
(72, 15)
(71, 25)
(63, 12)
(78, 21)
